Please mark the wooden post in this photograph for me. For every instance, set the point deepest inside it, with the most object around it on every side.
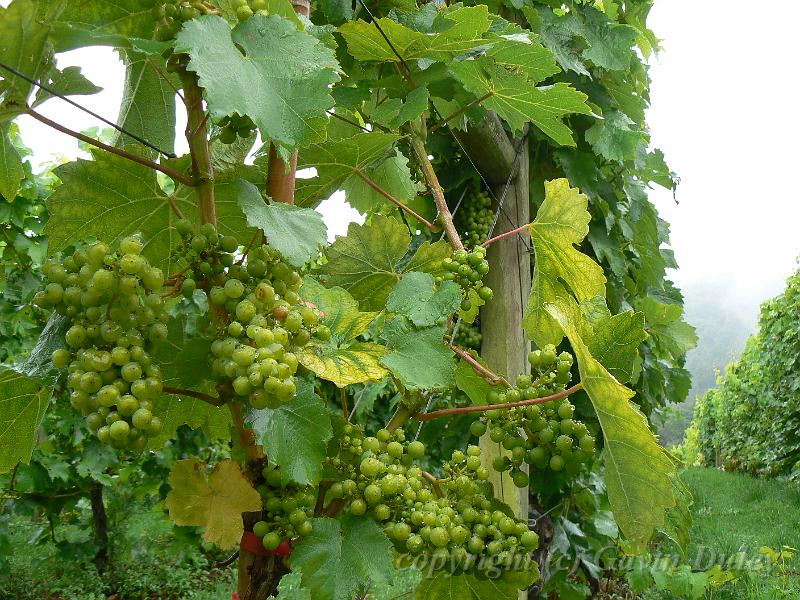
(505, 345)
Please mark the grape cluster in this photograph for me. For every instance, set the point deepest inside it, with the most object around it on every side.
(540, 435)
(235, 126)
(171, 14)
(116, 316)
(247, 8)
(474, 219)
(468, 336)
(256, 351)
(450, 521)
(467, 270)
(286, 509)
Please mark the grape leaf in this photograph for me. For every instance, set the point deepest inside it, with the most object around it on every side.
(339, 557)
(215, 503)
(369, 261)
(11, 170)
(418, 358)
(638, 470)
(148, 102)
(616, 137)
(524, 55)
(443, 585)
(128, 18)
(338, 161)
(22, 407)
(266, 69)
(69, 82)
(183, 359)
(560, 270)
(518, 102)
(82, 206)
(415, 296)
(341, 359)
(614, 340)
(392, 175)
(295, 435)
(297, 233)
(556, 33)
(472, 384)
(663, 322)
(609, 43)
(23, 44)
(38, 364)
(394, 112)
(459, 30)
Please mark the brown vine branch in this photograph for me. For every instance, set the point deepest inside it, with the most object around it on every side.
(437, 191)
(471, 409)
(437, 488)
(460, 111)
(478, 367)
(497, 238)
(171, 173)
(391, 198)
(213, 401)
(221, 564)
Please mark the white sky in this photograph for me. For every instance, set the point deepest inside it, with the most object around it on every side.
(723, 96)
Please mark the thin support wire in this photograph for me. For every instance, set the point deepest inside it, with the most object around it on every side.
(53, 92)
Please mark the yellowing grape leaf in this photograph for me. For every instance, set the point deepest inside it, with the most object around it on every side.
(560, 269)
(266, 69)
(215, 503)
(638, 470)
(342, 359)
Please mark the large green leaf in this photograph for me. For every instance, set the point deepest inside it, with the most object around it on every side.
(392, 175)
(458, 31)
(295, 435)
(111, 197)
(616, 137)
(518, 102)
(23, 45)
(560, 270)
(338, 162)
(22, 407)
(126, 18)
(267, 69)
(419, 358)
(638, 470)
(415, 296)
(148, 102)
(297, 233)
(442, 585)
(341, 359)
(338, 558)
(69, 82)
(11, 170)
(663, 322)
(370, 260)
(615, 340)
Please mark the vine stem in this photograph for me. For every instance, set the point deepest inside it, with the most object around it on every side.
(391, 198)
(437, 191)
(246, 436)
(171, 173)
(471, 409)
(213, 401)
(497, 238)
(478, 367)
(197, 138)
(437, 488)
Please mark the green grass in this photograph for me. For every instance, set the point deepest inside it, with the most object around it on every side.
(736, 513)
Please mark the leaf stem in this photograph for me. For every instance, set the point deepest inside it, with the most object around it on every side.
(460, 111)
(246, 436)
(166, 78)
(391, 198)
(497, 238)
(478, 367)
(434, 484)
(212, 400)
(471, 409)
(171, 173)
(437, 191)
(197, 138)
